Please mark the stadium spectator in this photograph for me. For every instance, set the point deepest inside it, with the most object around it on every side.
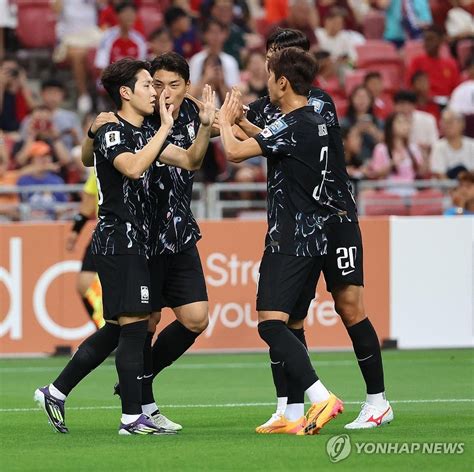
(333, 37)
(462, 98)
(356, 165)
(327, 78)
(212, 74)
(43, 204)
(254, 77)
(459, 25)
(222, 10)
(77, 32)
(108, 17)
(185, 37)
(8, 209)
(41, 128)
(302, 15)
(16, 97)
(214, 35)
(453, 153)
(8, 23)
(275, 11)
(361, 115)
(122, 40)
(462, 196)
(159, 42)
(324, 8)
(443, 73)
(423, 128)
(66, 122)
(396, 159)
(405, 19)
(373, 82)
(420, 84)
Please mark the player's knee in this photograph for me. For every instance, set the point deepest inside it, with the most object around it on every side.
(350, 309)
(196, 324)
(153, 321)
(82, 284)
(295, 324)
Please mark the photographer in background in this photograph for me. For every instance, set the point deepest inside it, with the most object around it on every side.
(16, 98)
(66, 122)
(41, 128)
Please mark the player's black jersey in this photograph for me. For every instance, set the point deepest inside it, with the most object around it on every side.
(124, 206)
(337, 198)
(174, 228)
(297, 149)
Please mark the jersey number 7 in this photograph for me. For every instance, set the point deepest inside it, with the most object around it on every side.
(319, 188)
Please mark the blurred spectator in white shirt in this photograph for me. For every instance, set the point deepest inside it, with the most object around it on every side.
(462, 98)
(214, 35)
(423, 128)
(455, 152)
(77, 32)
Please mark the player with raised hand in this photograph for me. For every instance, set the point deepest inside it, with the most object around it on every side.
(343, 265)
(296, 147)
(122, 160)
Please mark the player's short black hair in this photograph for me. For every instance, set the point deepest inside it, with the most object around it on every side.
(298, 66)
(52, 83)
(172, 62)
(173, 14)
(285, 38)
(404, 96)
(372, 75)
(122, 73)
(123, 5)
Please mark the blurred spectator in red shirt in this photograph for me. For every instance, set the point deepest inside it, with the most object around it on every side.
(108, 17)
(420, 84)
(185, 38)
(122, 40)
(302, 15)
(159, 42)
(276, 11)
(374, 84)
(443, 72)
(16, 98)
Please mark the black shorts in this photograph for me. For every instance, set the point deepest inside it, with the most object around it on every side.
(88, 263)
(288, 283)
(343, 263)
(177, 279)
(125, 281)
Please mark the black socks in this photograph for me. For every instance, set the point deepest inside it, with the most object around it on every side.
(129, 364)
(90, 354)
(367, 350)
(171, 344)
(147, 384)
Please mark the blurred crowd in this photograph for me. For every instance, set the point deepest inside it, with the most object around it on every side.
(401, 74)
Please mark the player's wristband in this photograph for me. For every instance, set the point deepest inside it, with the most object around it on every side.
(90, 134)
(79, 221)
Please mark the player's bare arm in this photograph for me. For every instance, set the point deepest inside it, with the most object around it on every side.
(191, 158)
(236, 151)
(87, 154)
(132, 165)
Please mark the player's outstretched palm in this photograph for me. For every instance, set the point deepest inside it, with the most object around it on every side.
(231, 109)
(207, 110)
(166, 114)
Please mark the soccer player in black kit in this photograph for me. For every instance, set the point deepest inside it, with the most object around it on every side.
(343, 265)
(296, 147)
(124, 155)
(177, 278)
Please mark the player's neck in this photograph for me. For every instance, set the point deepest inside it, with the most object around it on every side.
(131, 116)
(291, 102)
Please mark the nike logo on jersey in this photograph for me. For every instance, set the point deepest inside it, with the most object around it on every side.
(347, 272)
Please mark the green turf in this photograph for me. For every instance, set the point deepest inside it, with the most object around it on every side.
(222, 437)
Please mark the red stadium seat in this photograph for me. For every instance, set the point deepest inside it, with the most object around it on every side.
(341, 106)
(151, 16)
(36, 24)
(427, 202)
(376, 203)
(353, 79)
(374, 51)
(374, 25)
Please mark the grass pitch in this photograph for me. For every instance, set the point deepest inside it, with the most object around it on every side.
(219, 399)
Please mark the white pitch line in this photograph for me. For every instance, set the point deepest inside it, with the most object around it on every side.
(239, 405)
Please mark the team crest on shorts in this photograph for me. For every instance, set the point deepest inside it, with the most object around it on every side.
(145, 294)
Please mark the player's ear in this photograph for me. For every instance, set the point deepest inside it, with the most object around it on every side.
(125, 92)
(282, 82)
(188, 84)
